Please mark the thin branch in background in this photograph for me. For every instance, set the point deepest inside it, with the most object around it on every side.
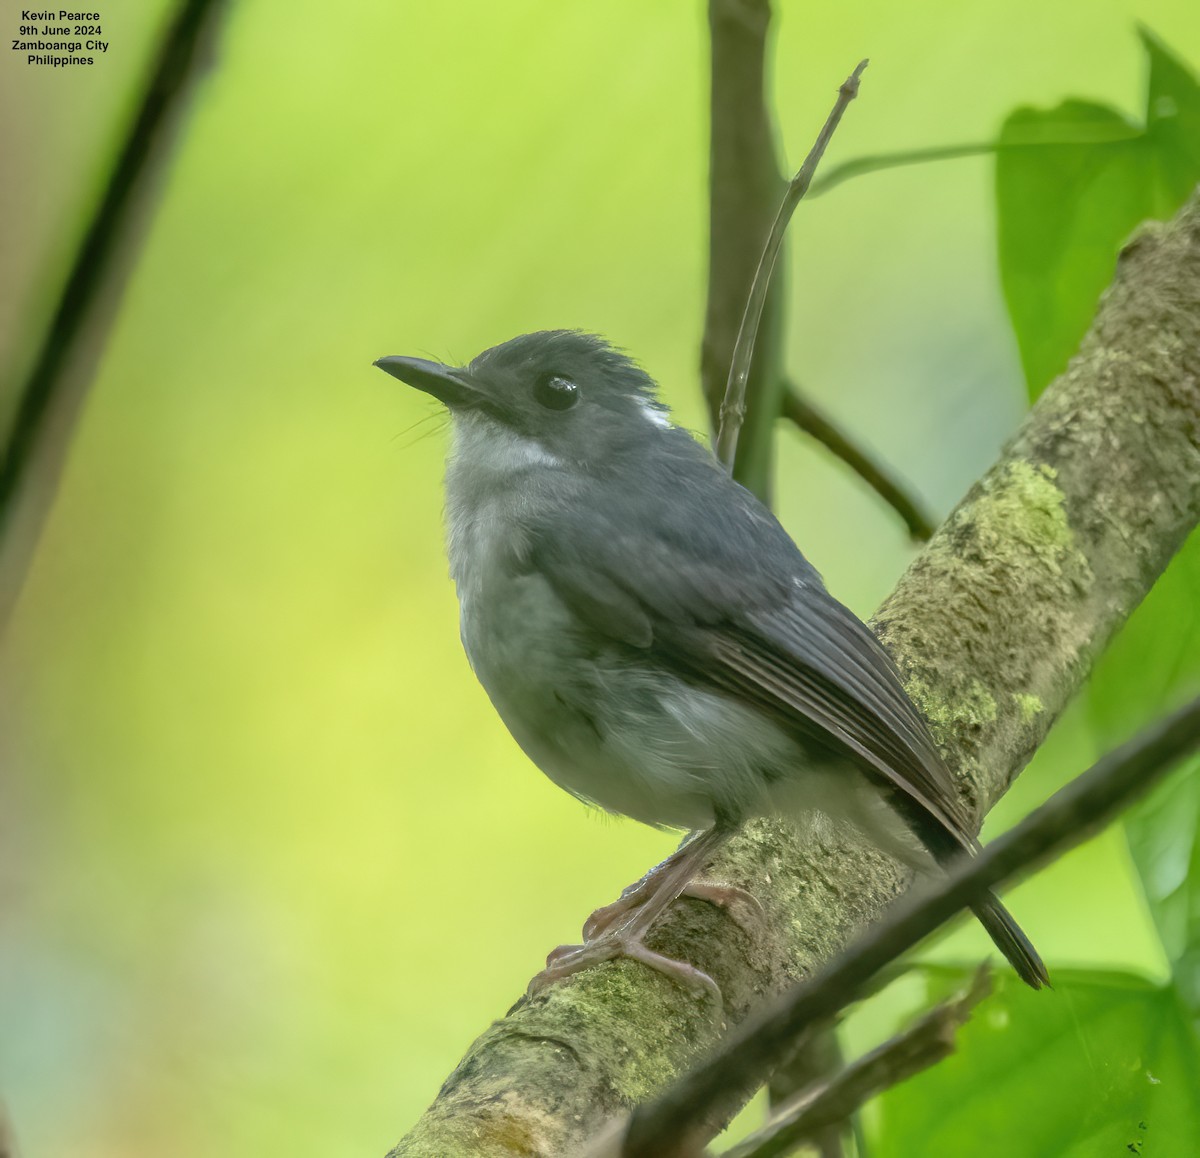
(880, 162)
(813, 1111)
(799, 411)
(745, 189)
(8, 1138)
(733, 408)
(687, 1115)
(744, 186)
(65, 363)
(812, 1066)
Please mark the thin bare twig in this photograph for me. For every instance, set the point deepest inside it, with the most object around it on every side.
(745, 189)
(880, 162)
(745, 185)
(799, 411)
(51, 398)
(686, 1116)
(733, 408)
(924, 1043)
(811, 1066)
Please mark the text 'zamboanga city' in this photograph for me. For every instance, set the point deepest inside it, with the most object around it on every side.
(60, 39)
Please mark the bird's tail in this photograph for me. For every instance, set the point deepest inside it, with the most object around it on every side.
(947, 847)
(1011, 941)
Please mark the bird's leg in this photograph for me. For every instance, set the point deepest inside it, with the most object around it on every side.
(619, 929)
(640, 892)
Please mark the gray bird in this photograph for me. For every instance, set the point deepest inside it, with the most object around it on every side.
(658, 645)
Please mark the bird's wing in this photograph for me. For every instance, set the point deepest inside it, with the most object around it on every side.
(735, 605)
(814, 664)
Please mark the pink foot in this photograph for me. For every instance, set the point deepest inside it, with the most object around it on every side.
(728, 897)
(620, 929)
(569, 959)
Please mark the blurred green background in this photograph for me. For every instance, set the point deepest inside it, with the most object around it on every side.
(268, 860)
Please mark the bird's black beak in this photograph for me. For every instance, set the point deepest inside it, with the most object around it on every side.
(448, 385)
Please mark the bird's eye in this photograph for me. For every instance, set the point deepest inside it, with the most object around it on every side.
(555, 392)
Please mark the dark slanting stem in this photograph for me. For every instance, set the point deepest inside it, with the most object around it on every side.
(816, 1064)
(51, 398)
(814, 1113)
(805, 416)
(8, 1139)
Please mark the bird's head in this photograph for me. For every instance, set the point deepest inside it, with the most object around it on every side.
(572, 394)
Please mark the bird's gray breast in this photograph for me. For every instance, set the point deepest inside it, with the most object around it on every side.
(555, 688)
(597, 714)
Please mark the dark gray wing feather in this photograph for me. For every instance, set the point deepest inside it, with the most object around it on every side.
(715, 585)
(815, 660)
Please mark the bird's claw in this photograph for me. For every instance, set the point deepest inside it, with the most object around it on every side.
(727, 897)
(569, 959)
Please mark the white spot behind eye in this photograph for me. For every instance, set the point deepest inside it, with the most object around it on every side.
(654, 413)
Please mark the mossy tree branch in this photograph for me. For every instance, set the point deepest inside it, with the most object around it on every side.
(994, 626)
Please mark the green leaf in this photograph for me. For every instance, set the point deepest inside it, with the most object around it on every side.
(1164, 838)
(1101, 1064)
(1173, 122)
(1065, 207)
(1063, 211)
(1072, 183)
(1152, 664)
